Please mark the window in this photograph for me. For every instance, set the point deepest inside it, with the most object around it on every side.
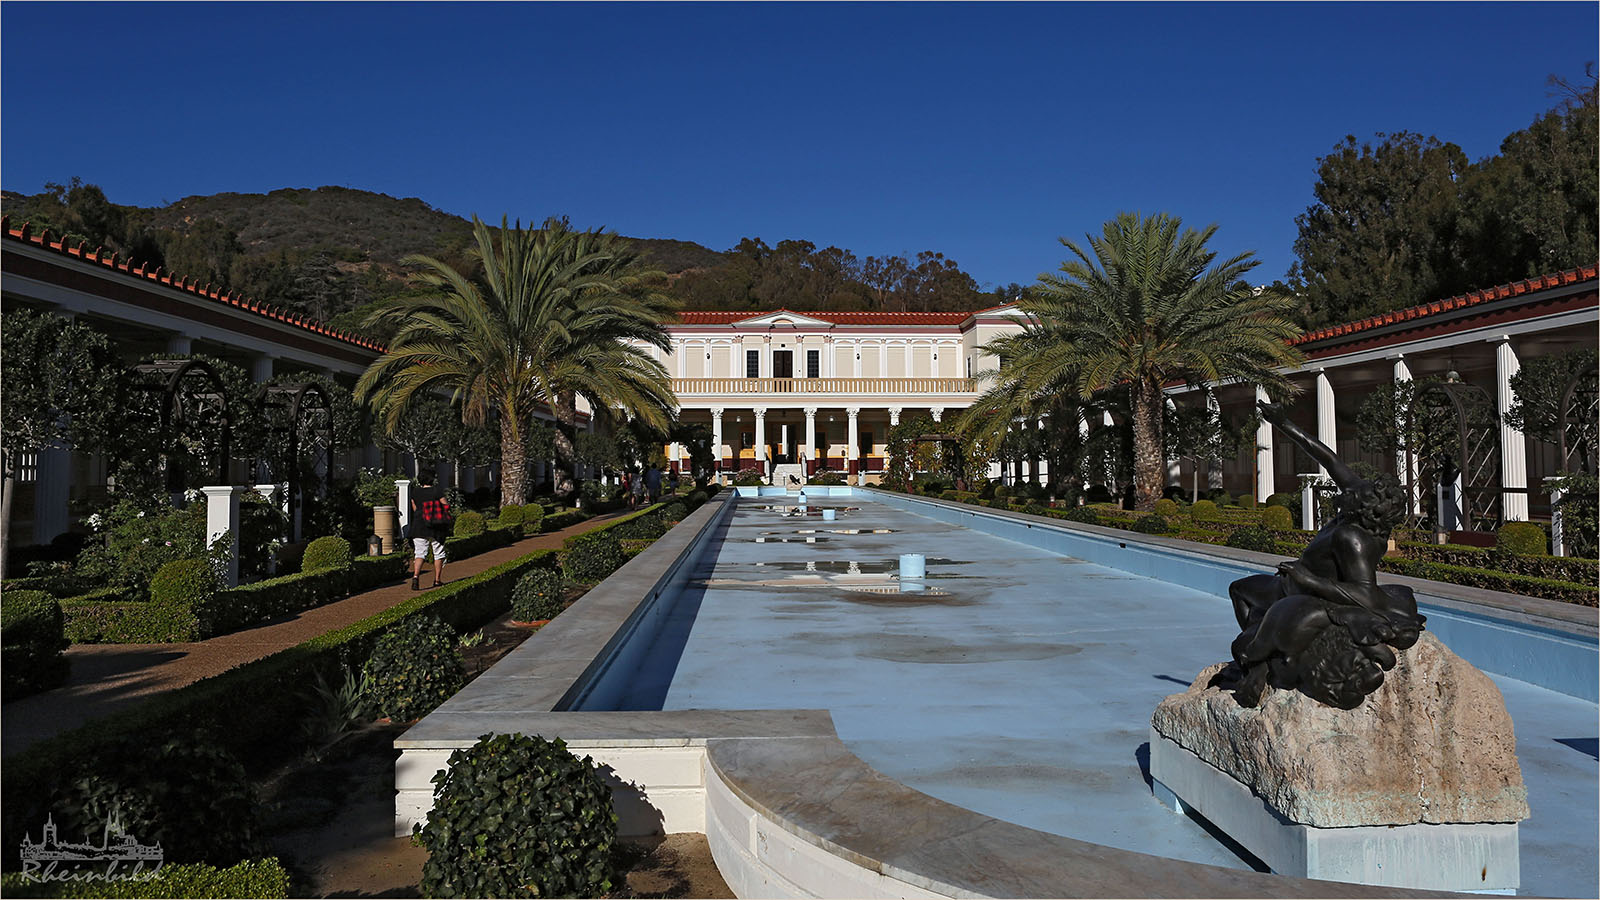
(752, 364)
(813, 363)
(783, 364)
(969, 367)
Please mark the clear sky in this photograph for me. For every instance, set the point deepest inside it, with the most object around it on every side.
(985, 131)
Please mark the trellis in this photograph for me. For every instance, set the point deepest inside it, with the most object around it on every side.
(299, 419)
(192, 396)
(1580, 416)
(1472, 460)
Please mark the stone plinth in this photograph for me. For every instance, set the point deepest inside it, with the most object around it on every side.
(1417, 787)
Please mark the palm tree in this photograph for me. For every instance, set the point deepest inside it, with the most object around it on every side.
(549, 319)
(1140, 309)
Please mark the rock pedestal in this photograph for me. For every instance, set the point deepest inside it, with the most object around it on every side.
(1418, 786)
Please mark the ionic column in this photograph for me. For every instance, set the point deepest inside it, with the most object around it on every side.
(1513, 448)
(911, 352)
(1327, 425)
(1174, 463)
(855, 351)
(811, 436)
(1405, 461)
(1266, 479)
(937, 412)
(1111, 467)
(761, 437)
(180, 344)
(677, 352)
(716, 438)
(894, 419)
(1214, 464)
(854, 452)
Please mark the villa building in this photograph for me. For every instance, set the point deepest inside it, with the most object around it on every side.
(791, 393)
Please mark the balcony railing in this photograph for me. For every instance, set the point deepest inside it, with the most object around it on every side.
(718, 386)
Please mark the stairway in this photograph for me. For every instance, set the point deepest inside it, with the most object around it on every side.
(782, 472)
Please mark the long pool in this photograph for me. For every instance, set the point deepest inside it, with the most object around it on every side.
(1018, 682)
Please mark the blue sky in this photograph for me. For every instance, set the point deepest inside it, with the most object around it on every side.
(985, 131)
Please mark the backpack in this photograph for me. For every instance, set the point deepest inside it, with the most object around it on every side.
(437, 512)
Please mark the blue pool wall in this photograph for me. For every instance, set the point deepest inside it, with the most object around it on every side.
(1491, 639)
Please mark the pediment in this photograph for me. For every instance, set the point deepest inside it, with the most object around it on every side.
(782, 317)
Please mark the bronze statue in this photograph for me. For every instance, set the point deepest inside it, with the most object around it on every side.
(1323, 625)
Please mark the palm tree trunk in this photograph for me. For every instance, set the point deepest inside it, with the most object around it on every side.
(513, 463)
(1148, 474)
(7, 489)
(566, 410)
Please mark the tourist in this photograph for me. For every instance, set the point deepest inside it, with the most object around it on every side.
(431, 522)
(652, 482)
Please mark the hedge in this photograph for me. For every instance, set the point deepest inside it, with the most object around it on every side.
(32, 635)
(253, 709)
(1547, 588)
(564, 519)
(264, 878)
(1560, 568)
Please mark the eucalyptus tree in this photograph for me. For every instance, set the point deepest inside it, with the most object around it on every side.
(554, 314)
(1144, 305)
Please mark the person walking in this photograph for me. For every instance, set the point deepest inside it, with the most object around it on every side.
(627, 490)
(652, 482)
(431, 522)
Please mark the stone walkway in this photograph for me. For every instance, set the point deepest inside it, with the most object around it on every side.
(107, 678)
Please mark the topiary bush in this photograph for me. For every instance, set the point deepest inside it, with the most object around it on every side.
(1522, 539)
(1152, 524)
(184, 582)
(1247, 501)
(1277, 518)
(538, 595)
(1204, 511)
(469, 524)
(415, 666)
(1084, 514)
(1282, 499)
(1253, 537)
(532, 518)
(512, 514)
(676, 511)
(326, 553)
(697, 499)
(33, 634)
(187, 793)
(518, 816)
(1166, 508)
(1002, 492)
(590, 558)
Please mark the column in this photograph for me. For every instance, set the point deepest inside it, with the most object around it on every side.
(1327, 425)
(678, 348)
(402, 491)
(222, 523)
(911, 351)
(1044, 460)
(938, 413)
(52, 491)
(674, 456)
(1265, 477)
(1405, 461)
(894, 419)
(830, 354)
(854, 438)
(1513, 448)
(1214, 464)
(716, 439)
(855, 352)
(180, 344)
(1111, 467)
(1174, 463)
(766, 357)
(260, 373)
(809, 452)
(761, 438)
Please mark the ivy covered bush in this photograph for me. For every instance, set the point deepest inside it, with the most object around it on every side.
(1253, 537)
(1277, 518)
(538, 595)
(133, 540)
(326, 553)
(185, 792)
(518, 816)
(415, 666)
(469, 524)
(1152, 524)
(1166, 508)
(1247, 500)
(1085, 514)
(1521, 539)
(184, 582)
(592, 557)
(1282, 499)
(676, 511)
(512, 514)
(32, 632)
(1204, 511)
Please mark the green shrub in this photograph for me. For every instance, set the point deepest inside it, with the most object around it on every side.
(591, 557)
(1548, 588)
(532, 518)
(1276, 518)
(1560, 568)
(1287, 501)
(512, 514)
(1253, 537)
(1034, 508)
(1086, 515)
(749, 478)
(1247, 501)
(698, 498)
(1580, 515)
(1002, 492)
(469, 524)
(999, 502)
(1521, 539)
(415, 666)
(1166, 508)
(185, 792)
(32, 636)
(564, 519)
(518, 816)
(1152, 524)
(826, 477)
(538, 595)
(948, 495)
(1204, 511)
(263, 878)
(965, 497)
(184, 582)
(326, 553)
(676, 511)
(373, 488)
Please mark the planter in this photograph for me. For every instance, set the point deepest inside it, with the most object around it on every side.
(386, 525)
(536, 623)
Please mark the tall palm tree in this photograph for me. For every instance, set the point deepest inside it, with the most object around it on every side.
(1143, 306)
(549, 319)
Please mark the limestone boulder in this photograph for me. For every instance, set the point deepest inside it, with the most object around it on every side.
(1433, 744)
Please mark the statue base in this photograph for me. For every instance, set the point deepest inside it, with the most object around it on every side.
(1476, 858)
(1417, 787)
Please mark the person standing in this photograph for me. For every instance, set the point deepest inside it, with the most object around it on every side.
(652, 482)
(431, 522)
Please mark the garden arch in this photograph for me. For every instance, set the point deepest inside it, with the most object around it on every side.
(1580, 413)
(191, 396)
(299, 417)
(1469, 454)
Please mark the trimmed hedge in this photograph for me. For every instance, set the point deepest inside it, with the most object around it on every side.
(1152, 524)
(326, 553)
(540, 594)
(468, 524)
(1277, 518)
(1522, 539)
(32, 636)
(263, 878)
(1559, 568)
(1204, 511)
(183, 582)
(254, 709)
(512, 514)
(1547, 588)
(1287, 501)
(591, 557)
(1166, 508)
(564, 519)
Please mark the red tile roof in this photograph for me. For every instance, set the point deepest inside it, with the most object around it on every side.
(110, 260)
(720, 317)
(1499, 292)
